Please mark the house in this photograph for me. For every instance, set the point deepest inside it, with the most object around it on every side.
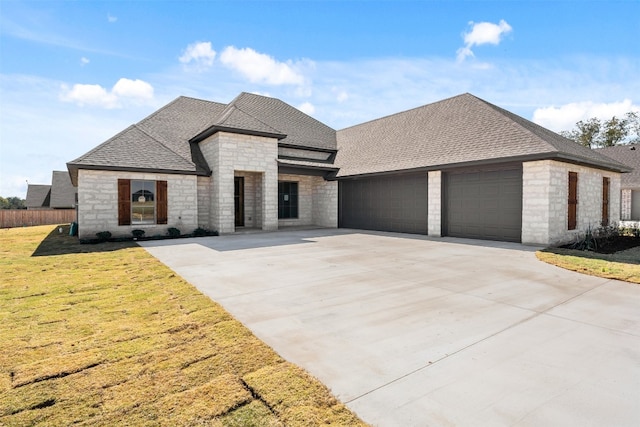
(61, 194)
(628, 155)
(458, 167)
(38, 196)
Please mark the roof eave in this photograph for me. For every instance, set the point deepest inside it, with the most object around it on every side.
(74, 167)
(619, 168)
(216, 128)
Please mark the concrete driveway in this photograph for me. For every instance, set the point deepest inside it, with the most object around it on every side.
(412, 331)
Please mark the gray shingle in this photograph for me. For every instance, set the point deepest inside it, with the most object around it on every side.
(628, 155)
(299, 128)
(63, 193)
(135, 149)
(456, 131)
(38, 196)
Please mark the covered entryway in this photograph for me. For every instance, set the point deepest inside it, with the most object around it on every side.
(386, 203)
(484, 203)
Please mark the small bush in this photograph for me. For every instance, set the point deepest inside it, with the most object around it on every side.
(103, 235)
(200, 232)
(137, 233)
(173, 232)
(586, 242)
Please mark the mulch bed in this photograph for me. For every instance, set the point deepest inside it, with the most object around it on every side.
(613, 245)
(621, 243)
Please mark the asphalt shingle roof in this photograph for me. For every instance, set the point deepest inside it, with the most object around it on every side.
(63, 193)
(38, 196)
(630, 156)
(163, 140)
(455, 131)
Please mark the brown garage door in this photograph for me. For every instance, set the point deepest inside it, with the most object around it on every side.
(390, 203)
(484, 204)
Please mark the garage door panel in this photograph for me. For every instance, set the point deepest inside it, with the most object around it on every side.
(392, 203)
(484, 204)
(635, 205)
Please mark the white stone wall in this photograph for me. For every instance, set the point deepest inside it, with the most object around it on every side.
(545, 201)
(227, 153)
(434, 215)
(325, 202)
(204, 200)
(625, 204)
(98, 203)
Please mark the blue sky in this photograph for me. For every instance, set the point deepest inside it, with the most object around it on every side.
(74, 73)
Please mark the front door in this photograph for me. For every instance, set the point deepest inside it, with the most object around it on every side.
(238, 194)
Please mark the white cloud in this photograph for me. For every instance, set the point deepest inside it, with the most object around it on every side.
(261, 68)
(92, 95)
(111, 19)
(84, 61)
(136, 89)
(566, 116)
(125, 90)
(342, 95)
(307, 108)
(200, 54)
(482, 33)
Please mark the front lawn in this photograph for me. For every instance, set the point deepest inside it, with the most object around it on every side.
(105, 334)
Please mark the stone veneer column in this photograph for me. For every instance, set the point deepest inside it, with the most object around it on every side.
(434, 217)
(227, 153)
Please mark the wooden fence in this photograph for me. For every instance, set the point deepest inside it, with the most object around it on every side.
(24, 218)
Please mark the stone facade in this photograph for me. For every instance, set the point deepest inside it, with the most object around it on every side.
(545, 201)
(98, 203)
(434, 189)
(229, 154)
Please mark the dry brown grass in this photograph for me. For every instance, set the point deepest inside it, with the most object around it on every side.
(107, 335)
(623, 265)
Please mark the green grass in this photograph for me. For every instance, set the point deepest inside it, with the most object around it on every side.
(624, 265)
(105, 334)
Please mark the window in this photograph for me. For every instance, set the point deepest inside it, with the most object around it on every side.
(287, 200)
(143, 205)
(573, 201)
(142, 202)
(605, 201)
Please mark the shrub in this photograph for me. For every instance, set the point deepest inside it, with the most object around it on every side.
(137, 233)
(588, 242)
(200, 232)
(103, 236)
(173, 232)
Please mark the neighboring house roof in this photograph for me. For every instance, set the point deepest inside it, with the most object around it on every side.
(167, 139)
(629, 155)
(63, 193)
(458, 131)
(38, 196)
